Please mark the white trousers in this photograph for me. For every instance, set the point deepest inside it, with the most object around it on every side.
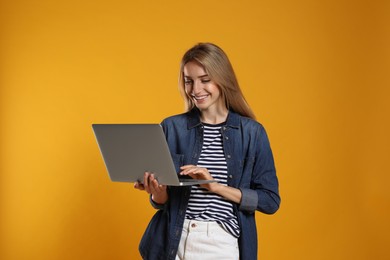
(206, 240)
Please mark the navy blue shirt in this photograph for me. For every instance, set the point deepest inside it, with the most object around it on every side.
(251, 169)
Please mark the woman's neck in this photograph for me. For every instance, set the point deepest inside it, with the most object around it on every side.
(215, 117)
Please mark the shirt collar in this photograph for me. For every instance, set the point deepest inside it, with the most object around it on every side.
(233, 119)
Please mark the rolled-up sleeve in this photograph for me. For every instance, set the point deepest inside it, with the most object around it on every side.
(249, 200)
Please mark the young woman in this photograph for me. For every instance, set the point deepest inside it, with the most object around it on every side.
(216, 139)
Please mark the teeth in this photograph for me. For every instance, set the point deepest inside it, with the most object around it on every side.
(199, 97)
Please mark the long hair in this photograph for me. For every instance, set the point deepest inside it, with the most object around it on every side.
(217, 65)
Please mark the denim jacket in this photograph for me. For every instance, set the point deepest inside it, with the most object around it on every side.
(250, 168)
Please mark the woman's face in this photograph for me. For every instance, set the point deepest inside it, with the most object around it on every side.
(202, 90)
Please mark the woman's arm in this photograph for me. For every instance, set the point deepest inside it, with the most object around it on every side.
(263, 194)
(195, 172)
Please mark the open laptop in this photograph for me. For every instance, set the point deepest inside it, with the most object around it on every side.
(129, 150)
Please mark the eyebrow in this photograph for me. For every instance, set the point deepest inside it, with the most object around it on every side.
(201, 76)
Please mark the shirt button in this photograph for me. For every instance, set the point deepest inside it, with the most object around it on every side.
(227, 138)
(228, 156)
(230, 176)
(193, 225)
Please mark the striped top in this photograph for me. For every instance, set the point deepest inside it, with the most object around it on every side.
(204, 205)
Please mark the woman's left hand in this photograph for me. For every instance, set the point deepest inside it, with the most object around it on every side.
(198, 173)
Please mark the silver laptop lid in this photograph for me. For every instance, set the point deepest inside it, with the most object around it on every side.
(129, 150)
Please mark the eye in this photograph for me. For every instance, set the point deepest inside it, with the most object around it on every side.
(204, 81)
(188, 82)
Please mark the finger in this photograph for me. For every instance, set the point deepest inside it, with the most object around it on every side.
(153, 183)
(188, 169)
(155, 187)
(146, 182)
(152, 180)
(199, 173)
(195, 170)
(184, 167)
(139, 186)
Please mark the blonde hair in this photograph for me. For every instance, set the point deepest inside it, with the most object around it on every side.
(217, 65)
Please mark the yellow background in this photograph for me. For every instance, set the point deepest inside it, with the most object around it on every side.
(315, 72)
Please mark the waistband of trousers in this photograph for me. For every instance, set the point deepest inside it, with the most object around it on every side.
(202, 226)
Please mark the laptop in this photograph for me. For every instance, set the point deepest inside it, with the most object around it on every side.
(129, 150)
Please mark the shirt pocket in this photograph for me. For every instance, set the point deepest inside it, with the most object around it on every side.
(177, 161)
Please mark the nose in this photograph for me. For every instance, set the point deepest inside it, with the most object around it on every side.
(196, 87)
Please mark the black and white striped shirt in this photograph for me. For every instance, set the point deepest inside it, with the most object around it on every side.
(204, 205)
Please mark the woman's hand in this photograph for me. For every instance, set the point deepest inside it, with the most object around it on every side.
(196, 172)
(151, 186)
(199, 173)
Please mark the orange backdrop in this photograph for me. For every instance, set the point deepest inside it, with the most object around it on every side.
(315, 72)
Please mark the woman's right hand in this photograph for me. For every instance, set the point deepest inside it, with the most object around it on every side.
(151, 186)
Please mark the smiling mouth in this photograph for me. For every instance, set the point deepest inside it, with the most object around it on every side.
(199, 98)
